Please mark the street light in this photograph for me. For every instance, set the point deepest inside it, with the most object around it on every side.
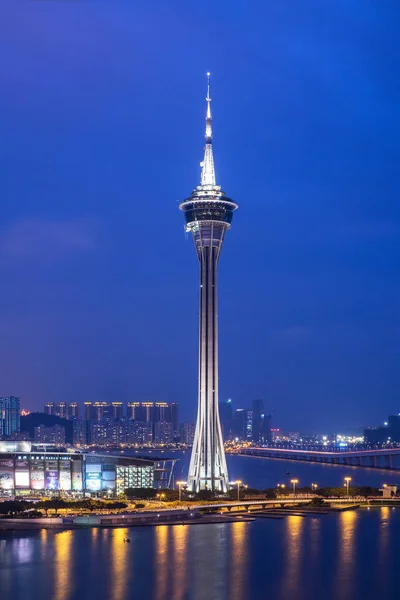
(314, 486)
(347, 480)
(180, 484)
(238, 483)
(294, 481)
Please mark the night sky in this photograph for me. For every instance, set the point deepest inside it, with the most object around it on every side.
(102, 129)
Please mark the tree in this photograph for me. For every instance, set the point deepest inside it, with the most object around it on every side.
(141, 493)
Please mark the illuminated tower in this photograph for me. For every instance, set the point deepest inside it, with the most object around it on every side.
(208, 214)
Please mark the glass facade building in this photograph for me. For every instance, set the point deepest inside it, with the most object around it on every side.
(27, 467)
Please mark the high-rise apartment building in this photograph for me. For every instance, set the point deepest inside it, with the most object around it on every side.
(73, 410)
(49, 435)
(163, 433)
(50, 408)
(243, 424)
(175, 419)
(226, 418)
(117, 410)
(88, 411)
(79, 433)
(162, 412)
(139, 433)
(10, 414)
(187, 433)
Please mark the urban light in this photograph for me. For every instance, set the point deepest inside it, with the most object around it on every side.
(314, 486)
(294, 482)
(347, 480)
(238, 483)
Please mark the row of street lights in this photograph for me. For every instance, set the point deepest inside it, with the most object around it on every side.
(314, 486)
(294, 483)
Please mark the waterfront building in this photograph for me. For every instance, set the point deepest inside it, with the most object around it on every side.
(208, 215)
(163, 433)
(139, 433)
(187, 433)
(44, 469)
(10, 415)
(49, 435)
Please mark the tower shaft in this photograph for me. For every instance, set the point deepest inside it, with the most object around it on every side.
(207, 468)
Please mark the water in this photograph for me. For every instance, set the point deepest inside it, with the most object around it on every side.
(264, 473)
(352, 555)
(346, 556)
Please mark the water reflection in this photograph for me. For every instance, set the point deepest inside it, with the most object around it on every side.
(295, 544)
(238, 562)
(120, 552)
(161, 562)
(346, 557)
(384, 556)
(180, 552)
(209, 562)
(63, 578)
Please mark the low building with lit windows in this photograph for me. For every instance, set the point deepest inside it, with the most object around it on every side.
(27, 468)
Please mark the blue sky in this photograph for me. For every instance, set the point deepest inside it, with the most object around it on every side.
(102, 130)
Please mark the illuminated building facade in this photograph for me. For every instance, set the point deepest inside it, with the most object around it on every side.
(41, 468)
(10, 414)
(208, 215)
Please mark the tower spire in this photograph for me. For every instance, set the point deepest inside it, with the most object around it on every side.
(207, 165)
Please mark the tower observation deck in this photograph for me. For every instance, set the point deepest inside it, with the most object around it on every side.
(208, 214)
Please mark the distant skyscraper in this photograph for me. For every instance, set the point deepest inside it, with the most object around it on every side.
(49, 408)
(163, 432)
(10, 414)
(73, 410)
(117, 410)
(62, 410)
(243, 425)
(135, 411)
(258, 416)
(226, 417)
(208, 214)
(162, 412)
(175, 419)
(101, 410)
(139, 433)
(88, 411)
(79, 432)
(187, 433)
(49, 435)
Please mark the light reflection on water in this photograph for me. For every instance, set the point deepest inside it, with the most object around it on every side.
(336, 556)
(295, 549)
(63, 579)
(346, 554)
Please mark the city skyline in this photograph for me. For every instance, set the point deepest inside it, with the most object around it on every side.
(97, 145)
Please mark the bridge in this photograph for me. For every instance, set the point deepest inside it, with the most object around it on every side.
(378, 459)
